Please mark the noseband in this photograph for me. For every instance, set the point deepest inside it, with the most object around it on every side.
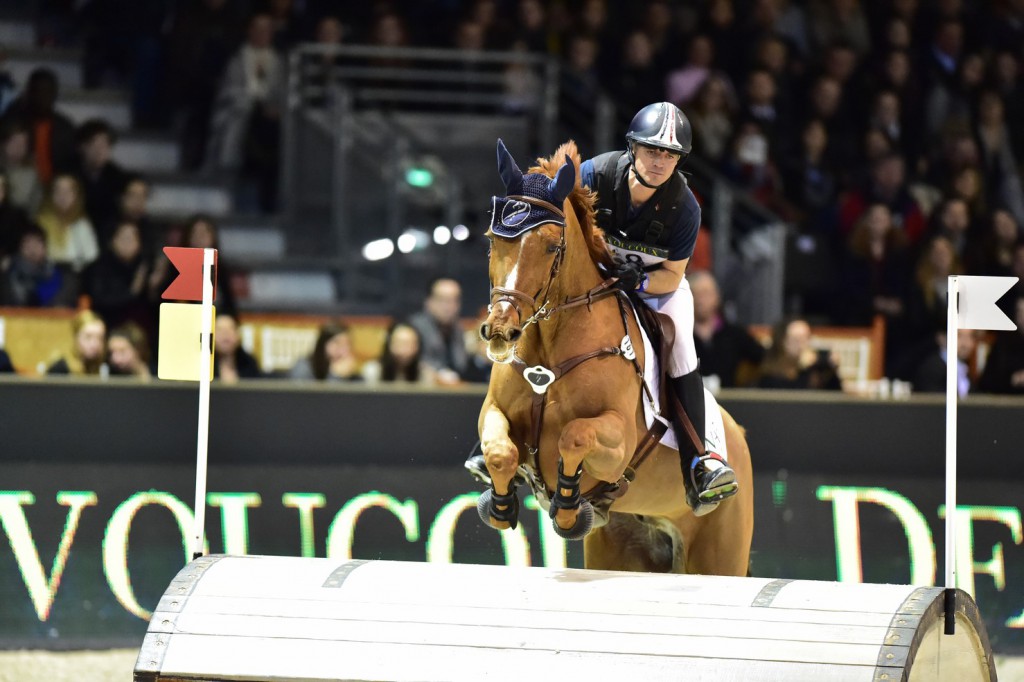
(513, 296)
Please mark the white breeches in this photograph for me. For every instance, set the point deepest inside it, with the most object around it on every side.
(679, 306)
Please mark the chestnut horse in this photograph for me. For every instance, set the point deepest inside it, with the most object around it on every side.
(564, 402)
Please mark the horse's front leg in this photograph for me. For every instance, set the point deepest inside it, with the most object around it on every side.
(499, 506)
(597, 444)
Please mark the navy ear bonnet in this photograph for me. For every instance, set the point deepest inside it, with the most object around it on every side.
(515, 213)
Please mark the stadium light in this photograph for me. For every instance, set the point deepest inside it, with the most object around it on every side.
(442, 235)
(378, 249)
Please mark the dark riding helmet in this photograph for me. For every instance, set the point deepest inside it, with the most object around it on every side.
(661, 125)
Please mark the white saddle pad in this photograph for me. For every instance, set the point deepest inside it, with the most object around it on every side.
(714, 424)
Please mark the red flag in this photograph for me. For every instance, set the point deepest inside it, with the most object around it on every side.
(188, 286)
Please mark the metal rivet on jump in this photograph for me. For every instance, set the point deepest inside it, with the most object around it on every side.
(890, 656)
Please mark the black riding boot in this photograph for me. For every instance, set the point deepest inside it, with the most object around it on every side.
(708, 478)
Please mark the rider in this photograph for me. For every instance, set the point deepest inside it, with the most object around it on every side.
(650, 219)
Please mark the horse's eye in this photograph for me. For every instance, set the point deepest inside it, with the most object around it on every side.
(554, 248)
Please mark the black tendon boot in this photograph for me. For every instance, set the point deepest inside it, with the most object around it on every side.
(708, 478)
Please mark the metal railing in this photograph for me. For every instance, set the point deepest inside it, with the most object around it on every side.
(359, 117)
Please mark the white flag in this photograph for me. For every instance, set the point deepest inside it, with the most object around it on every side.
(977, 302)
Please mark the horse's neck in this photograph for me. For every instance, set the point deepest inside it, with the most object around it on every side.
(570, 331)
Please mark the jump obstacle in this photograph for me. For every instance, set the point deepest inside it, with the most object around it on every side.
(259, 618)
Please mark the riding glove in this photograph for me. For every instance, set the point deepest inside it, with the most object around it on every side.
(631, 275)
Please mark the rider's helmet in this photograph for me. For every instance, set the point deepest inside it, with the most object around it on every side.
(661, 125)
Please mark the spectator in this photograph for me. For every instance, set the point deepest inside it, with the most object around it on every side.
(751, 166)
(930, 375)
(825, 103)
(712, 115)
(287, 22)
(13, 221)
(729, 356)
(89, 350)
(200, 232)
(231, 362)
(25, 188)
(682, 84)
(995, 148)
(69, 233)
(117, 281)
(993, 255)
(948, 105)
(1004, 368)
(8, 91)
(636, 77)
(953, 221)
(128, 352)
(1008, 83)
(887, 186)
(721, 25)
(478, 364)
(761, 105)
(30, 278)
(791, 361)
(522, 87)
(833, 21)
(52, 134)
(580, 83)
(875, 279)
(101, 178)
(440, 332)
(247, 113)
(6, 366)
(401, 361)
(531, 26)
(124, 46)
(203, 36)
(333, 358)
(926, 302)
(810, 182)
(133, 206)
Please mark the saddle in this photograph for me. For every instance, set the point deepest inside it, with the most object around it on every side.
(662, 332)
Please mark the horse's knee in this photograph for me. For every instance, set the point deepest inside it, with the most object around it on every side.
(578, 438)
(501, 456)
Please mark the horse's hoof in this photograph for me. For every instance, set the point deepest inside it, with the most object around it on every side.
(584, 523)
(495, 518)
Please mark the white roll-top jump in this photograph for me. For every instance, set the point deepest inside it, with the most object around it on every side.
(277, 618)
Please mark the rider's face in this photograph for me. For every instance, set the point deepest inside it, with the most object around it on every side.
(655, 165)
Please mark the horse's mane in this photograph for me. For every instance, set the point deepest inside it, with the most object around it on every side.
(582, 200)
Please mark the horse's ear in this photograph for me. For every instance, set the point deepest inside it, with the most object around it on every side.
(563, 182)
(510, 174)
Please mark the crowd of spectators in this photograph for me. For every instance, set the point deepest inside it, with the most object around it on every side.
(889, 134)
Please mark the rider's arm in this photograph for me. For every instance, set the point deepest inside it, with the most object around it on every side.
(667, 277)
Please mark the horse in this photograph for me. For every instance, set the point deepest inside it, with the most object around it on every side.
(564, 404)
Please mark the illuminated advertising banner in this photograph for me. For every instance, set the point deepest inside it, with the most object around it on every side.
(86, 564)
(96, 519)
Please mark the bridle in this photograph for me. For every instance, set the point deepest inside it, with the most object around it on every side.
(542, 311)
(513, 296)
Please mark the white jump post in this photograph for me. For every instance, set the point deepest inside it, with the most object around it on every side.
(203, 437)
(971, 304)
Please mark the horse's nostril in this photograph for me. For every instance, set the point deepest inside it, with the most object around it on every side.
(485, 331)
(514, 334)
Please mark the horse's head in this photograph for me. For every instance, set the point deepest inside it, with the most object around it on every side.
(528, 244)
